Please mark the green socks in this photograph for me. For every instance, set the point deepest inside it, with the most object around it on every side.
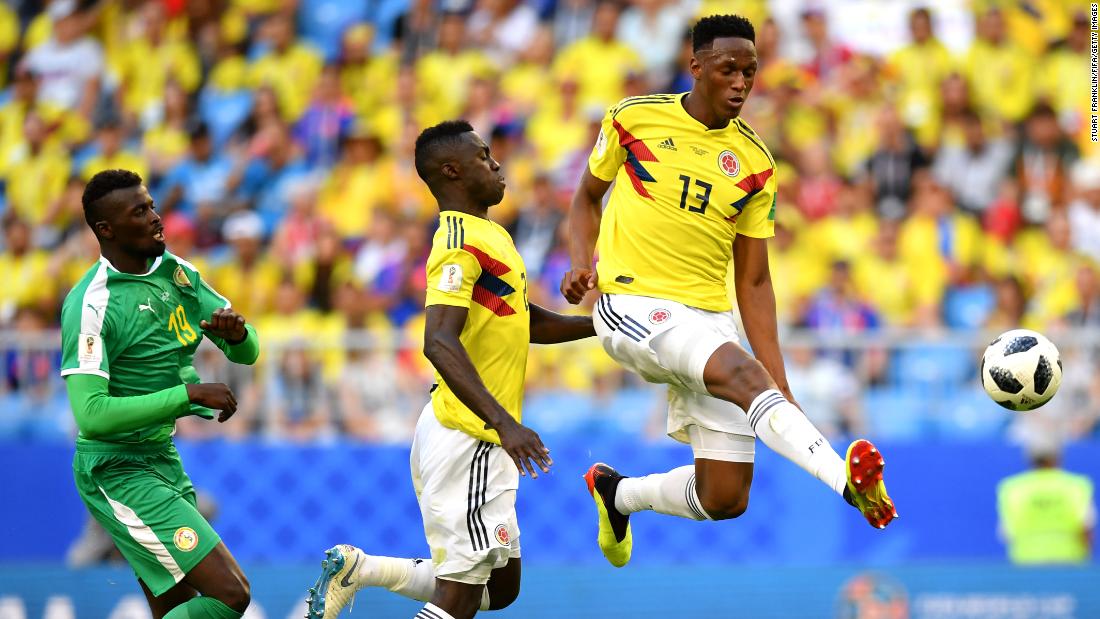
(202, 608)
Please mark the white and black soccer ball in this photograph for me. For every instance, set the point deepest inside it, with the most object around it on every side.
(1021, 370)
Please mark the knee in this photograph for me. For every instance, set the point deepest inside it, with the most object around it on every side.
(239, 594)
(503, 599)
(736, 378)
(726, 507)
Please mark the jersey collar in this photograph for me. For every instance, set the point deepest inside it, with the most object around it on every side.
(153, 267)
(680, 109)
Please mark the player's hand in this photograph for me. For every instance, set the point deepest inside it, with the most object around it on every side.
(576, 283)
(226, 324)
(526, 449)
(217, 396)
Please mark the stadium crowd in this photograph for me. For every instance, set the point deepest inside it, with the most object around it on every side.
(935, 186)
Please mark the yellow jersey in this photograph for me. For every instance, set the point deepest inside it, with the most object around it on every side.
(682, 193)
(474, 264)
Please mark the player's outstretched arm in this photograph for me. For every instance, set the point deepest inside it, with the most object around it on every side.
(233, 335)
(756, 301)
(100, 414)
(553, 328)
(442, 346)
(584, 228)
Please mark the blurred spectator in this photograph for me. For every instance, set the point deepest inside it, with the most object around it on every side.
(361, 183)
(919, 68)
(827, 391)
(503, 28)
(1047, 515)
(652, 29)
(1087, 311)
(837, 306)
(416, 30)
(1084, 211)
(973, 171)
(818, 185)
(368, 78)
(267, 176)
(536, 228)
(1000, 73)
(148, 61)
(289, 67)
(70, 63)
(525, 83)
(197, 186)
(892, 165)
(25, 268)
(598, 62)
(36, 174)
(247, 266)
(325, 122)
(165, 141)
(572, 21)
(1059, 82)
(1008, 312)
(827, 55)
(112, 152)
(444, 74)
(1042, 164)
(894, 284)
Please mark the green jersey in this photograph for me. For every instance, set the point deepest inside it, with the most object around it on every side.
(139, 332)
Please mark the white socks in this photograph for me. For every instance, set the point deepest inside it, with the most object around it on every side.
(431, 611)
(786, 431)
(411, 578)
(671, 493)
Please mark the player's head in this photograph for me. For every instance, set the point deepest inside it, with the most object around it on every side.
(120, 211)
(723, 62)
(456, 165)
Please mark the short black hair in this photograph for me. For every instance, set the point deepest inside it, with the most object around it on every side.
(102, 184)
(435, 139)
(713, 27)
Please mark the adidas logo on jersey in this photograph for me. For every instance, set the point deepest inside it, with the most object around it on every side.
(667, 144)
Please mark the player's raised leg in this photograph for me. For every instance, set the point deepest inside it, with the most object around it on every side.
(733, 375)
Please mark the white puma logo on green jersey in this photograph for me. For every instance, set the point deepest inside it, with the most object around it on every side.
(148, 305)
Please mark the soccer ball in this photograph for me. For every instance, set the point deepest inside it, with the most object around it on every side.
(1021, 370)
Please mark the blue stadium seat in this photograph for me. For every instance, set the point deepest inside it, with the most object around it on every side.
(223, 112)
(559, 411)
(323, 22)
(894, 413)
(933, 366)
(970, 414)
(968, 308)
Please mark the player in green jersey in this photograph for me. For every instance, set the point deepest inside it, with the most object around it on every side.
(129, 330)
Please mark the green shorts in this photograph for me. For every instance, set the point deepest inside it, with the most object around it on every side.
(142, 497)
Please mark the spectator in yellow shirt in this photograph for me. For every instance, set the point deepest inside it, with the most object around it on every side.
(248, 267)
(26, 273)
(360, 184)
(919, 68)
(1060, 82)
(599, 62)
(444, 74)
(1000, 73)
(559, 126)
(36, 174)
(369, 79)
(112, 152)
(290, 67)
(525, 84)
(148, 61)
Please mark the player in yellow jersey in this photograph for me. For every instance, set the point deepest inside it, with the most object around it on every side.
(694, 188)
(469, 449)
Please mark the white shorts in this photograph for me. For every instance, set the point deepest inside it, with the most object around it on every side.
(668, 342)
(467, 493)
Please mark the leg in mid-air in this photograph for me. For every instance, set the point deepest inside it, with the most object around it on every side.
(467, 493)
(346, 570)
(720, 399)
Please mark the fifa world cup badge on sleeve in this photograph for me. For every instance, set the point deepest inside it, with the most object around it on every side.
(601, 144)
(91, 349)
(451, 278)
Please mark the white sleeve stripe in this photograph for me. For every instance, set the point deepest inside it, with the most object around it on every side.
(85, 371)
(94, 304)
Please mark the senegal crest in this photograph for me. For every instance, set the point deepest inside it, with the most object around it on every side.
(180, 277)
